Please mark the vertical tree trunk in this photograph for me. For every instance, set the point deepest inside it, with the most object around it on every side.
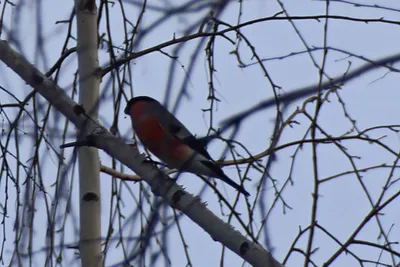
(89, 165)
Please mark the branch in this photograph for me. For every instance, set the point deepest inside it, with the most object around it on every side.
(157, 48)
(296, 94)
(161, 185)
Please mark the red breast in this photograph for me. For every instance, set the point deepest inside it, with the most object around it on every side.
(156, 139)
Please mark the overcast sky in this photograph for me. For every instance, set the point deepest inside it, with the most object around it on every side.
(371, 100)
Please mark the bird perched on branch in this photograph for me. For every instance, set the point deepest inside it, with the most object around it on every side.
(168, 139)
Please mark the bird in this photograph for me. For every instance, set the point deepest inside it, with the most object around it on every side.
(170, 141)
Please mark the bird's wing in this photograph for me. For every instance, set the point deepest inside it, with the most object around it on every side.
(174, 127)
(197, 146)
(180, 132)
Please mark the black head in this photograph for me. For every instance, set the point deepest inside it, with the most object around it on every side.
(136, 99)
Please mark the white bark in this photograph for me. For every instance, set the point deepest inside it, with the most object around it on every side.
(89, 164)
(161, 185)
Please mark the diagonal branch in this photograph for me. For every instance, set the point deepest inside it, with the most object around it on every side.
(161, 185)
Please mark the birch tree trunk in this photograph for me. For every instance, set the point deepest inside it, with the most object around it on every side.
(89, 165)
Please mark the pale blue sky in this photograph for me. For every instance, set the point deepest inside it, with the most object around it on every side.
(371, 100)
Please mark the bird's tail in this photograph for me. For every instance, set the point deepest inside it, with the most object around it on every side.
(238, 187)
(222, 176)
